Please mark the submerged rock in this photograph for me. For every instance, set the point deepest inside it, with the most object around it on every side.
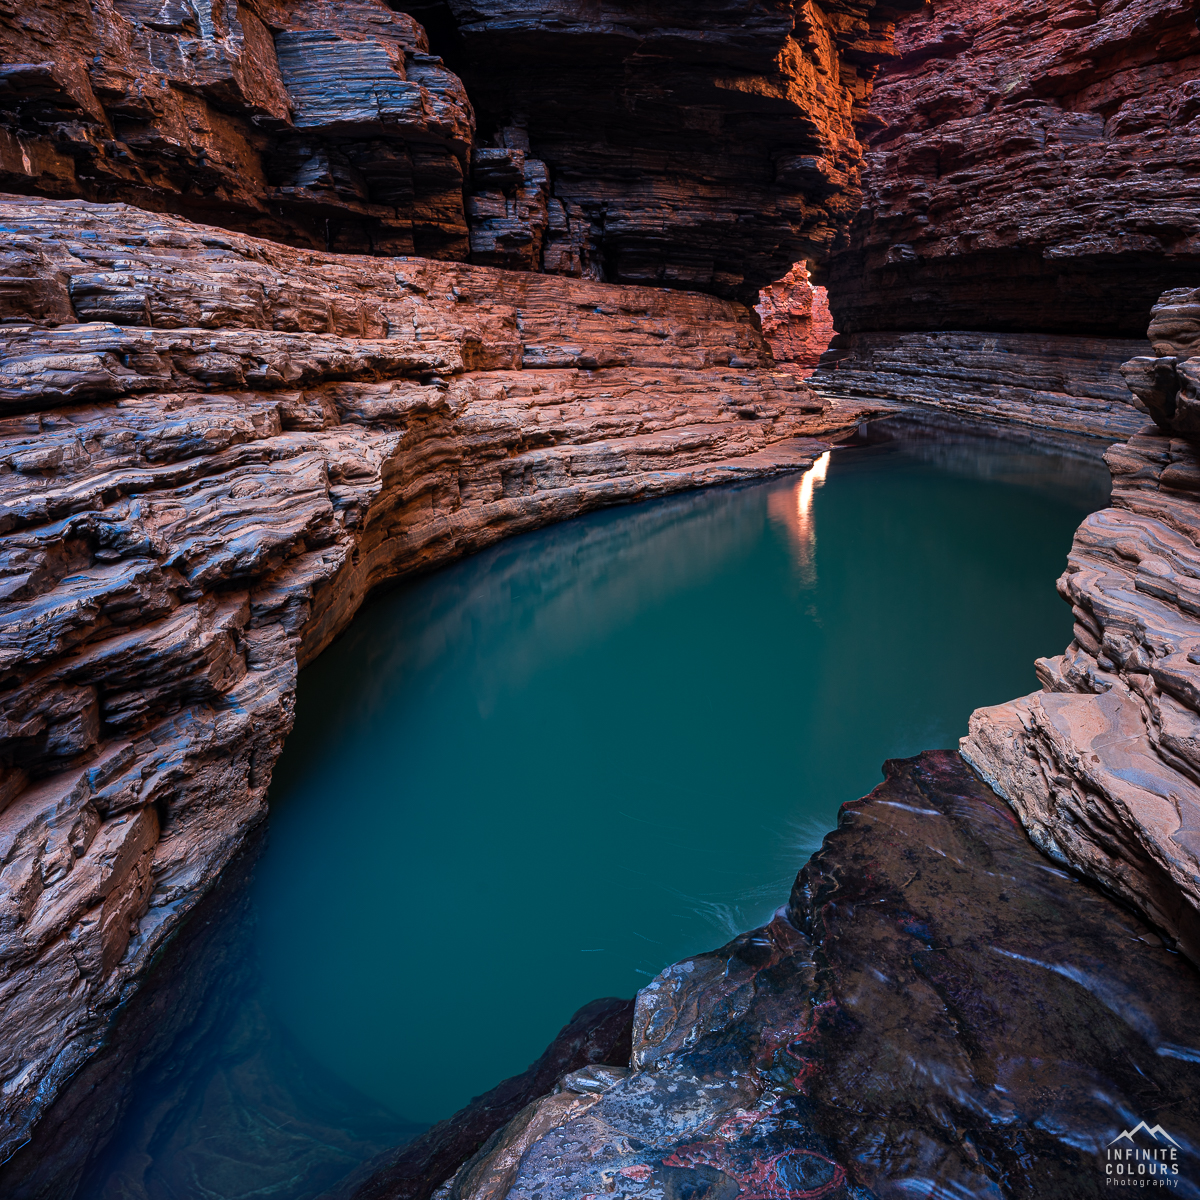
(937, 1011)
(588, 1054)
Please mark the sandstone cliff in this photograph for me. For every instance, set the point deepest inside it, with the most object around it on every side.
(211, 449)
(1033, 168)
(702, 146)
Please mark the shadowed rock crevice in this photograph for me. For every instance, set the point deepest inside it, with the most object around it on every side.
(1029, 190)
(704, 147)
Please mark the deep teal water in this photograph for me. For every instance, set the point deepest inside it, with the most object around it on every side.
(543, 774)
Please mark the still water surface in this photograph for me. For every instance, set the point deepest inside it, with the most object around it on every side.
(541, 775)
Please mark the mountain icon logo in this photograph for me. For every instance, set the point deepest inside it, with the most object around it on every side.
(1155, 1132)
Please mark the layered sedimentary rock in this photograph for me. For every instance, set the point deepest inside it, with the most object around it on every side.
(706, 148)
(937, 1011)
(1033, 170)
(796, 321)
(1036, 380)
(321, 124)
(702, 147)
(1103, 765)
(213, 447)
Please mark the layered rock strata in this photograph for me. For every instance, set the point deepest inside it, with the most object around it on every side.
(1103, 765)
(937, 1011)
(1037, 381)
(796, 321)
(706, 148)
(320, 124)
(1033, 168)
(1030, 189)
(213, 448)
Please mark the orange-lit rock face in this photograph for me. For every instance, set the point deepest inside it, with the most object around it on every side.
(705, 148)
(701, 146)
(1035, 167)
(325, 125)
(796, 321)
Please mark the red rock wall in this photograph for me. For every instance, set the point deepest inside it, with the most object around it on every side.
(706, 146)
(212, 448)
(323, 125)
(796, 321)
(1034, 167)
(702, 147)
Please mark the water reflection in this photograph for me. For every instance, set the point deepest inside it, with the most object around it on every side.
(589, 752)
(794, 511)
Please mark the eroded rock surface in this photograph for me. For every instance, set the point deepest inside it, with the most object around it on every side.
(1030, 189)
(1039, 381)
(796, 321)
(938, 1011)
(1103, 765)
(1035, 168)
(213, 447)
(322, 124)
(701, 147)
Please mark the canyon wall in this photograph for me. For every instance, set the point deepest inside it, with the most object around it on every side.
(1103, 765)
(1034, 171)
(211, 449)
(706, 147)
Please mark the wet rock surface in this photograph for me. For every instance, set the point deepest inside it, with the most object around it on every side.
(938, 1010)
(1102, 765)
(205, 472)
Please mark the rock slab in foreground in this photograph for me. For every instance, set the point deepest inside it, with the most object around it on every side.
(938, 1011)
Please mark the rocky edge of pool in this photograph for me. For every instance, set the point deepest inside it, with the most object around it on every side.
(300, 298)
